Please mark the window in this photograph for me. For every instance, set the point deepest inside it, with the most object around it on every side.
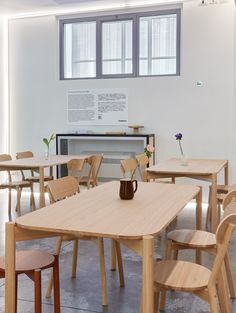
(80, 50)
(142, 44)
(157, 45)
(117, 47)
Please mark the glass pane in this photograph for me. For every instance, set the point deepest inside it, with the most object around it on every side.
(117, 46)
(163, 37)
(143, 67)
(163, 67)
(80, 46)
(112, 67)
(111, 40)
(158, 35)
(143, 38)
(85, 69)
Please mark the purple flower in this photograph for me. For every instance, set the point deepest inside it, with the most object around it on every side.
(178, 136)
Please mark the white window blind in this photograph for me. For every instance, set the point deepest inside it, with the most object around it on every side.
(117, 47)
(80, 50)
(158, 45)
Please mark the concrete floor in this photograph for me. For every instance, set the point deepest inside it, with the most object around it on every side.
(83, 294)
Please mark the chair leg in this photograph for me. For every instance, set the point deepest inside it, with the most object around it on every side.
(9, 202)
(156, 301)
(120, 264)
(74, 259)
(103, 271)
(56, 285)
(213, 299)
(176, 253)
(18, 206)
(222, 290)
(50, 283)
(113, 255)
(208, 216)
(37, 292)
(168, 249)
(16, 293)
(32, 201)
(229, 277)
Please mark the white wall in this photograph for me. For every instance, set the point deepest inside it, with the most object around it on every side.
(2, 89)
(165, 105)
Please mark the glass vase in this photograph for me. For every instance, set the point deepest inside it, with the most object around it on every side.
(184, 160)
(46, 153)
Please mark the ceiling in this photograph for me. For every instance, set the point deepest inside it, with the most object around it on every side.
(33, 7)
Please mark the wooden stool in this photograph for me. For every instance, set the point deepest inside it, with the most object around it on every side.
(31, 262)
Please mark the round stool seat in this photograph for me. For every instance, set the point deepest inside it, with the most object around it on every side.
(181, 275)
(193, 238)
(30, 260)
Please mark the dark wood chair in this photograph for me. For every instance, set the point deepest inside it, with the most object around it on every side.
(31, 263)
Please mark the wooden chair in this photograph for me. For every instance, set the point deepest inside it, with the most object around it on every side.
(91, 179)
(32, 178)
(31, 263)
(18, 186)
(143, 161)
(221, 190)
(129, 167)
(75, 168)
(60, 189)
(195, 278)
(199, 240)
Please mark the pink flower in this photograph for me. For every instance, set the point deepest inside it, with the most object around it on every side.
(150, 148)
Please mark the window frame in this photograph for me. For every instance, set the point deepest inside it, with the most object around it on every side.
(135, 17)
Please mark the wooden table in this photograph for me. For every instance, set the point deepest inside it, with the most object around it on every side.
(100, 212)
(38, 163)
(201, 169)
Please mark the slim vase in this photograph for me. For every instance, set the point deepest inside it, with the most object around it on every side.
(46, 153)
(184, 160)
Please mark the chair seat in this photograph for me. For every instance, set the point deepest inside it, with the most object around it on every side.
(181, 275)
(14, 184)
(35, 179)
(30, 260)
(193, 238)
(226, 188)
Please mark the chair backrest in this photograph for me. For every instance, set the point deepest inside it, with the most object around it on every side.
(24, 155)
(75, 167)
(128, 166)
(230, 198)
(62, 188)
(143, 161)
(223, 236)
(95, 162)
(6, 157)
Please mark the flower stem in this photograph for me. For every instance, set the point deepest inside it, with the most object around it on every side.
(181, 149)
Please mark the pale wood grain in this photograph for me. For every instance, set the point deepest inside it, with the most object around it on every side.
(102, 213)
(195, 166)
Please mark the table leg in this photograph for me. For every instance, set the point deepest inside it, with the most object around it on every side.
(226, 174)
(199, 222)
(148, 274)
(10, 287)
(214, 213)
(199, 209)
(41, 188)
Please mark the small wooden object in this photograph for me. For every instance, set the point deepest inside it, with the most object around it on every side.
(136, 128)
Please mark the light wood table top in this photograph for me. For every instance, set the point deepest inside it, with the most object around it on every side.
(194, 167)
(201, 169)
(101, 212)
(39, 161)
